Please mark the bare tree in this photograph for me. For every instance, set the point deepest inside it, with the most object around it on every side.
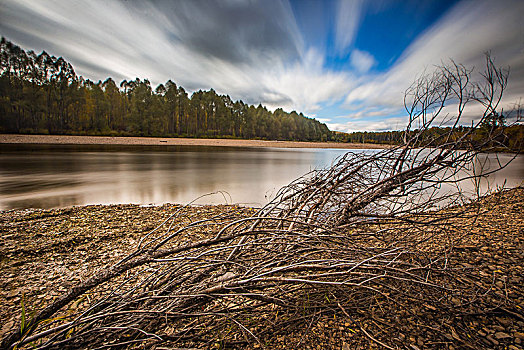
(332, 241)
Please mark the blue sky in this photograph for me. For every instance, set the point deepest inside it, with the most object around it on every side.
(344, 62)
(383, 28)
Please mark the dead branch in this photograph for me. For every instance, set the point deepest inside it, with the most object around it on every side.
(372, 230)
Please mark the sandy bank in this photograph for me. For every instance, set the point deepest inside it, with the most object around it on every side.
(108, 140)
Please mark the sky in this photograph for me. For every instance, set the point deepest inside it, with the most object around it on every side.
(346, 63)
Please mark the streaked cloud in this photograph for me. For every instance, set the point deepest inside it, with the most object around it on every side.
(471, 29)
(307, 83)
(347, 20)
(362, 61)
(251, 50)
(254, 50)
(385, 124)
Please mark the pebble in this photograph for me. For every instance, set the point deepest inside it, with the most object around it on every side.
(504, 321)
(502, 335)
(490, 338)
(12, 294)
(9, 325)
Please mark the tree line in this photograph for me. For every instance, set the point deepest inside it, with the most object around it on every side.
(508, 137)
(40, 93)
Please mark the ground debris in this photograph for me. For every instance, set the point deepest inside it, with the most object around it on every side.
(44, 252)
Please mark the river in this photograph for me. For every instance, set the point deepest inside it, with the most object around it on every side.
(56, 176)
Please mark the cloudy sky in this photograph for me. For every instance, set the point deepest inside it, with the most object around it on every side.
(346, 63)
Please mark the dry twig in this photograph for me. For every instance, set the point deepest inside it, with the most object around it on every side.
(371, 231)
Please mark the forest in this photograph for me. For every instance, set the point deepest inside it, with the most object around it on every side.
(40, 93)
(509, 137)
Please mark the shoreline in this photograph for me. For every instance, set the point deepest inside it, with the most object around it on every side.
(46, 252)
(167, 141)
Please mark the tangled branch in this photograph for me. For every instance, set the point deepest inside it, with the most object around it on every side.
(372, 229)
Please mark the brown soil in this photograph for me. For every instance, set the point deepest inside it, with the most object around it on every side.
(43, 252)
(107, 140)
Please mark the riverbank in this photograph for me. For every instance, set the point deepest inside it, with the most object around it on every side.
(163, 141)
(44, 252)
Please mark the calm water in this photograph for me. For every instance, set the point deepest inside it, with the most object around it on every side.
(48, 176)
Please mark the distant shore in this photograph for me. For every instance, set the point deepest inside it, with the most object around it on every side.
(162, 141)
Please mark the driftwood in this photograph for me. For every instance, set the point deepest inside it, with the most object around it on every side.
(372, 226)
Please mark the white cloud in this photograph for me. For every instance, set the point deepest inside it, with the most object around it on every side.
(368, 119)
(347, 21)
(251, 50)
(469, 30)
(362, 61)
(369, 113)
(307, 83)
(393, 123)
(254, 51)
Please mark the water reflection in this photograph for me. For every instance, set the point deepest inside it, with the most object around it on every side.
(57, 176)
(48, 176)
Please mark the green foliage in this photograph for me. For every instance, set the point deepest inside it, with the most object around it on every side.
(25, 319)
(381, 137)
(508, 137)
(43, 94)
(22, 320)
